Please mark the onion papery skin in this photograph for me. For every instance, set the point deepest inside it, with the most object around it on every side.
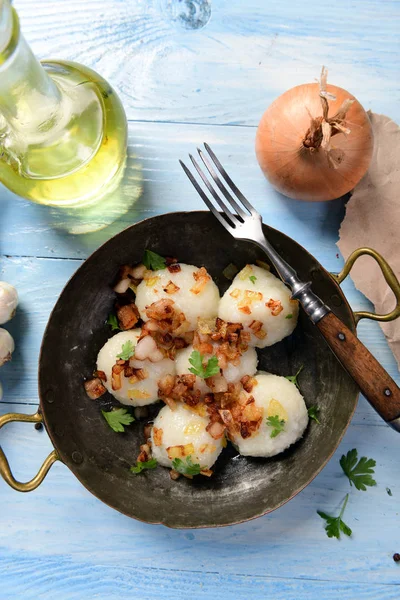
(301, 173)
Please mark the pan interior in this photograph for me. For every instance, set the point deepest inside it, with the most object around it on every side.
(241, 488)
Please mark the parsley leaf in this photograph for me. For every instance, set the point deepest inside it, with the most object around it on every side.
(359, 472)
(113, 321)
(186, 468)
(289, 316)
(197, 368)
(335, 525)
(313, 412)
(141, 466)
(153, 261)
(253, 279)
(127, 351)
(118, 418)
(277, 424)
(293, 378)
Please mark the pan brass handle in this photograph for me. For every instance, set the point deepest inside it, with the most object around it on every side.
(389, 276)
(5, 470)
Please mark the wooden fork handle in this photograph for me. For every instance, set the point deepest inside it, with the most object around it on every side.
(374, 382)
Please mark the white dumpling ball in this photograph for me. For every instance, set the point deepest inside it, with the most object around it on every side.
(262, 303)
(277, 397)
(133, 391)
(192, 290)
(8, 301)
(181, 433)
(232, 373)
(7, 346)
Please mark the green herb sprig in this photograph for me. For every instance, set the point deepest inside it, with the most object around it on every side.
(293, 378)
(142, 466)
(127, 351)
(313, 414)
(277, 424)
(186, 467)
(113, 321)
(359, 473)
(196, 360)
(118, 418)
(153, 261)
(335, 525)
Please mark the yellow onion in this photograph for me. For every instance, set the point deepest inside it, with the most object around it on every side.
(314, 142)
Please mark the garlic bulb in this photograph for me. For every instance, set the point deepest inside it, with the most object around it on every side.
(6, 346)
(8, 301)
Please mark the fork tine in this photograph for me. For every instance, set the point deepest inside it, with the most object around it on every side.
(233, 187)
(210, 188)
(203, 196)
(221, 186)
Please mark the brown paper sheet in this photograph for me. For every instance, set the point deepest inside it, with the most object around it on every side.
(373, 219)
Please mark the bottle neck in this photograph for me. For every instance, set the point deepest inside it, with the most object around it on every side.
(29, 99)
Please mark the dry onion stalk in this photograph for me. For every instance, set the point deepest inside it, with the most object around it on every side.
(307, 155)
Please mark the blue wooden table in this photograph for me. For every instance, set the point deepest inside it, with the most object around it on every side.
(189, 71)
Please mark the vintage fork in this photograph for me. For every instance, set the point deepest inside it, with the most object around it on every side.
(243, 222)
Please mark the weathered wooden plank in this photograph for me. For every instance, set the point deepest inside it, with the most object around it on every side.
(167, 67)
(289, 543)
(30, 577)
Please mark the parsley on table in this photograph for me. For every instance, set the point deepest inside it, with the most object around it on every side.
(253, 279)
(277, 424)
(334, 525)
(127, 351)
(359, 472)
(118, 418)
(153, 261)
(313, 413)
(141, 466)
(186, 467)
(289, 316)
(198, 368)
(293, 378)
(113, 321)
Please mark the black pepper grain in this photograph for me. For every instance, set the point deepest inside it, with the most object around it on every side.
(396, 557)
(38, 426)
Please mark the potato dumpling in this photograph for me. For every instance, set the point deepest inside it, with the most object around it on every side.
(278, 398)
(262, 303)
(133, 391)
(181, 433)
(190, 288)
(232, 373)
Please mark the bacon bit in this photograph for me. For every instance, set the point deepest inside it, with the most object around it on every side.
(147, 430)
(188, 336)
(180, 343)
(118, 367)
(252, 412)
(157, 436)
(202, 278)
(170, 402)
(217, 383)
(180, 451)
(124, 279)
(209, 398)
(129, 371)
(101, 375)
(139, 271)
(141, 374)
(161, 309)
(147, 348)
(205, 348)
(226, 416)
(174, 268)
(251, 400)
(94, 388)
(252, 296)
(128, 316)
(245, 430)
(245, 309)
(166, 385)
(245, 272)
(171, 288)
(120, 362)
(275, 306)
(174, 474)
(145, 453)
(235, 293)
(216, 430)
(189, 380)
(206, 472)
(248, 383)
(170, 260)
(116, 382)
(151, 281)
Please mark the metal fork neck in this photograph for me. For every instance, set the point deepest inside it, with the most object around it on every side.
(301, 291)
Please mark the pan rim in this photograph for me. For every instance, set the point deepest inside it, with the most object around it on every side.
(166, 522)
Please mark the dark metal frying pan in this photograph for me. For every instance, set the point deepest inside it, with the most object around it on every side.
(241, 488)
